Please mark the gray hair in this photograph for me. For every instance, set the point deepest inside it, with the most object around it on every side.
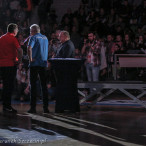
(66, 33)
(35, 27)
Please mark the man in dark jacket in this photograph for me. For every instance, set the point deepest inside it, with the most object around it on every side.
(67, 48)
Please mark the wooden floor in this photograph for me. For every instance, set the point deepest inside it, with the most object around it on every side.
(103, 125)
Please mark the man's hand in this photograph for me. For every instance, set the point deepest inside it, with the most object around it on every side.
(29, 52)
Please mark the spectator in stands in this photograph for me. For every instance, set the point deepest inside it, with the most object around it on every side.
(127, 43)
(8, 16)
(27, 5)
(135, 2)
(117, 50)
(102, 16)
(23, 43)
(24, 28)
(103, 65)
(142, 18)
(106, 5)
(92, 51)
(14, 5)
(119, 31)
(119, 24)
(135, 12)
(117, 4)
(21, 39)
(134, 25)
(75, 22)
(77, 53)
(98, 27)
(75, 37)
(52, 16)
(66, 22)
(4, 4)
(9, 47)
(19, 14)
(109, 55)
(125, 11)
(43, 28)
(68, 15)
(22, 83)
(119, 42)
(111, 19)
(141, 44)
(135, 43)
(84, 3)
(54, 44)
(91, 17)
(81, 14)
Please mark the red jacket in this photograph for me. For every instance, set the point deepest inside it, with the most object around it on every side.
(8, 50)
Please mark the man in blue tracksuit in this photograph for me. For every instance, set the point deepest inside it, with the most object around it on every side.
(38, 55)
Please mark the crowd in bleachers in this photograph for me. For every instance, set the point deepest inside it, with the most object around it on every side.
(119, 27)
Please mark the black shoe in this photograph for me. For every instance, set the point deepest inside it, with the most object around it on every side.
(46, 111)
(9, 110)
(32, 111)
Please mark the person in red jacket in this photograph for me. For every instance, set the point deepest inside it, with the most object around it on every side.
(10, 53)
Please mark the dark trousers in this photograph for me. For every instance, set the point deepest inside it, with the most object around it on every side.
(8, 75)
(40, 72)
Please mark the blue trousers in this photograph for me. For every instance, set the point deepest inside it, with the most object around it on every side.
(92, 72)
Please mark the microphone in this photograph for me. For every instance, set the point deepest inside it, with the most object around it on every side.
(26, 39)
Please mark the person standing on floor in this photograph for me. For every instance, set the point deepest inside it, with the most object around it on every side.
(92, 51)
(10, 54)
(38, 55)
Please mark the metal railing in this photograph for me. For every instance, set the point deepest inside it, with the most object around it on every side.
(133, 59)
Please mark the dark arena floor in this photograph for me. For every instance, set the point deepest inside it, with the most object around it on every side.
(107, 123)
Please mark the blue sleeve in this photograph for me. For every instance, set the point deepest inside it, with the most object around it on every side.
(44, 50)
(31, 42)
